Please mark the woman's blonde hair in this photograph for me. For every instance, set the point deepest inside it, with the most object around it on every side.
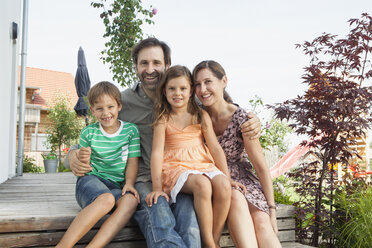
(162, 106)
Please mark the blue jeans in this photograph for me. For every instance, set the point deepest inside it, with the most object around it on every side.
(89, 187)
(167, 226)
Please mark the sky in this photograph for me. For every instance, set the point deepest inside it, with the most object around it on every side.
(253, 40)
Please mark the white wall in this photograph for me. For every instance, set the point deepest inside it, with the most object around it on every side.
(10, 11)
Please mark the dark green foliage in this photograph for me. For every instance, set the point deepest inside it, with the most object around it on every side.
(29, 165)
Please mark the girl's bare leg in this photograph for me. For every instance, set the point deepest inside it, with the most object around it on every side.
(239, 222)
(221, 191)
(265, 234)
(86, 219)
(125, 208)
(200, 186)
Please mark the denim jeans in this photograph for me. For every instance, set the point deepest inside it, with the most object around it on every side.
(89, 187)
(167, 226)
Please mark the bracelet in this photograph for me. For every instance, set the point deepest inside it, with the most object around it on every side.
(272, 207)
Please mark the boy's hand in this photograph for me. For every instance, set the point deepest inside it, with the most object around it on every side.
(153, 196)
(251, 128)
(84, 154)
(77, 167)
(130, 188)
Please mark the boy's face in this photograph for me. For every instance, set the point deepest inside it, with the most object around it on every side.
(106, 110)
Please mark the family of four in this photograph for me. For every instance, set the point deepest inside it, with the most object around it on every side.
(178, 165)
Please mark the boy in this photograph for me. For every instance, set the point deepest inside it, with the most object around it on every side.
(115, 148)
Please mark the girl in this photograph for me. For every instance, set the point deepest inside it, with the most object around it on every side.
(180, 161)
(257, 203)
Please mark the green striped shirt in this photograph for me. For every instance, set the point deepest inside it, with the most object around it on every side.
(110, 152)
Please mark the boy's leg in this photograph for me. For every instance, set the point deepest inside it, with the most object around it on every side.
(96, 200)
(186, 222)
(125, 208)
(157, 223)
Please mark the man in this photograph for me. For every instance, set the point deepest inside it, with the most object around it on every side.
(162, 225)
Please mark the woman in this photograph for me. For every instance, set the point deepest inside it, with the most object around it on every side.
(256, 204)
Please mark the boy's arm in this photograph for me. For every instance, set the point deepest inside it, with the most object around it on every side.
(130, 177)
(156, 165)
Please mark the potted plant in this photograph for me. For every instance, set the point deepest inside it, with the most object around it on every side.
(50, 162)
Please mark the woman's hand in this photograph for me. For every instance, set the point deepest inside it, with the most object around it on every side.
(153, 196)
(238, 185)
(272, 212)
(130, 188)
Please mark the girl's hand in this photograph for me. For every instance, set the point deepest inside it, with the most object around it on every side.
(130, 188)
(238, 185)
(153, 196)
(272, 212)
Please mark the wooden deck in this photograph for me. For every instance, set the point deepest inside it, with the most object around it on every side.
(36, 209)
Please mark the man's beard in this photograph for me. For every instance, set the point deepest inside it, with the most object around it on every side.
(150, 85)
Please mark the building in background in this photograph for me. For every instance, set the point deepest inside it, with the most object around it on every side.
(10, 40)
(41, 86)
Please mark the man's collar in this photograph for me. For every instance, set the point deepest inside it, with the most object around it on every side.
(135, 86)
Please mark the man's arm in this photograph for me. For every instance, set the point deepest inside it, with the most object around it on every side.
(78, 160)
(251, 129)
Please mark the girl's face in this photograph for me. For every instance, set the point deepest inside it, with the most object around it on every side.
(178, 92)
(208, 88)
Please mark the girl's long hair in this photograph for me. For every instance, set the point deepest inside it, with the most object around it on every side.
(162, 106)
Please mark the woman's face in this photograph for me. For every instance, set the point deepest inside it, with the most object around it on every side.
(208, 88)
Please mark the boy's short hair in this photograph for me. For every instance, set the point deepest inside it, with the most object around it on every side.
(103, 88)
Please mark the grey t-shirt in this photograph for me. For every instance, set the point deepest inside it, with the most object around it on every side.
(138, 109)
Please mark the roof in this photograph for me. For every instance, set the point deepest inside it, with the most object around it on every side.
(51, 83)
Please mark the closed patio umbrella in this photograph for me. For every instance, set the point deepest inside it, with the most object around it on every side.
(82, 85)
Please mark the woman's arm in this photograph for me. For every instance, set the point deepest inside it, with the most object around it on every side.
(257, 158)
(214, 147)
(156, 164)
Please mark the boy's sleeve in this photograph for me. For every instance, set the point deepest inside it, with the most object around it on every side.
(84, 141)
(134, 149)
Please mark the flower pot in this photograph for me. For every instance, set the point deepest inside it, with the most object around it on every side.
(51, 165)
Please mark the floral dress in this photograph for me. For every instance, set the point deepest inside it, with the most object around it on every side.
(240, 168)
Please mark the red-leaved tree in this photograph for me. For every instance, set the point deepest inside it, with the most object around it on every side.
(334, 110)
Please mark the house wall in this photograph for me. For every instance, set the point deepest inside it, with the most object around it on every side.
(10, 11)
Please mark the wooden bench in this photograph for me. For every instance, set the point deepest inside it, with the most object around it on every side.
(36, 210)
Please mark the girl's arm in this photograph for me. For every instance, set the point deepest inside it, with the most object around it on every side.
(257, 158)
(156, 165)
(214, 147)
(130, 177)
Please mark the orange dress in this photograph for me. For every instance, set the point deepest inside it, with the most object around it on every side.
(185, 151)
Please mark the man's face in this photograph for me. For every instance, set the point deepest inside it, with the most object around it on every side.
(150, 67)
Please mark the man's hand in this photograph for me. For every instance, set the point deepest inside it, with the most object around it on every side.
(252, 128)
(79, 161)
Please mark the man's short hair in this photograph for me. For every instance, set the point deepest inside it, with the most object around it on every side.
(103, 88)
(151, 42)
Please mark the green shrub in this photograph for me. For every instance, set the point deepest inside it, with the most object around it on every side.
(29, 166)
(355, 225)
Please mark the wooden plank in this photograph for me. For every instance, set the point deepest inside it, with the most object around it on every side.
(294, 245)
(52, 238)
(287, 236)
